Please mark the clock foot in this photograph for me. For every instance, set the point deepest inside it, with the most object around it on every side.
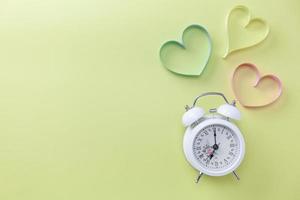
(198, 177)
(236, 175)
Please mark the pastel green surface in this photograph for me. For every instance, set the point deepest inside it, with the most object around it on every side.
(87, 111)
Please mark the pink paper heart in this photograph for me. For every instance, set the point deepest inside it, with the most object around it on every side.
(258, 80)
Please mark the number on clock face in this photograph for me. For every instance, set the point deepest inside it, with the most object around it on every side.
(216, 152)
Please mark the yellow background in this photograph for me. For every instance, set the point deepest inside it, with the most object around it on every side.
(88, 112)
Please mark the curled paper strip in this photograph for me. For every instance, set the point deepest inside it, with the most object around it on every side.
(257, 81)
(243, 31)
(190, 56)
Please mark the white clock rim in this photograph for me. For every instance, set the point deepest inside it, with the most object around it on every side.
(189, 136)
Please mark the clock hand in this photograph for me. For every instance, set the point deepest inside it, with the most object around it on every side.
(215, 146)
(211, 155)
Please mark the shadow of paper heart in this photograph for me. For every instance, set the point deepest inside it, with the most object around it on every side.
(189, 57)
(243, 31)
(253, 90)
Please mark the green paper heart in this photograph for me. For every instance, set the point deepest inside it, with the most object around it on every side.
(189, 57)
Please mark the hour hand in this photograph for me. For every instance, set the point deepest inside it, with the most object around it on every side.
(211, 154)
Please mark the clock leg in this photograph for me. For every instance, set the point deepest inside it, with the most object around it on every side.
(198, 177)
(236, 175)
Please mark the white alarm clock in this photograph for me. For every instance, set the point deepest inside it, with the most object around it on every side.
(212, 143)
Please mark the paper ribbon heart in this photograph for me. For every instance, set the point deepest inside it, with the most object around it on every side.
(189, 57)
(274, 80)
(243, 31)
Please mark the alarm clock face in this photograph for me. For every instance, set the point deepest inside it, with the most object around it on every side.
(214, 147)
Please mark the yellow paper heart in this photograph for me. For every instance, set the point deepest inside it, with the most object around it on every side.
(243, 30)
